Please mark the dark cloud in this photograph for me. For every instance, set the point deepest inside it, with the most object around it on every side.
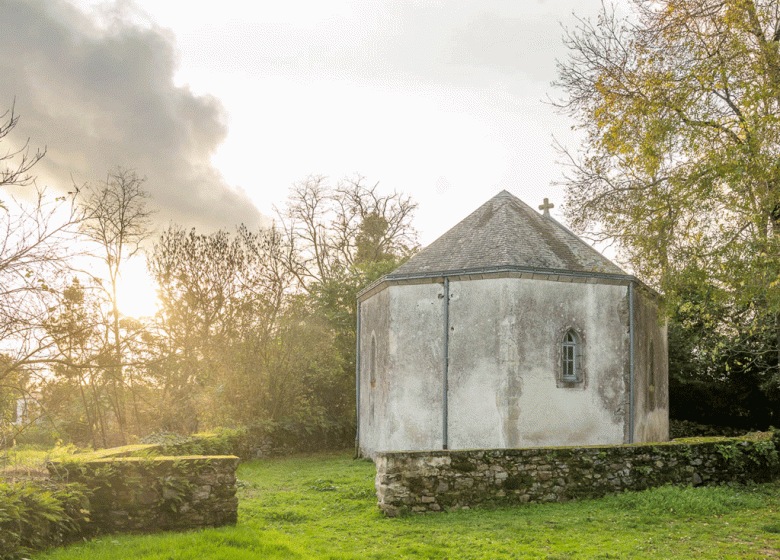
(100, 93)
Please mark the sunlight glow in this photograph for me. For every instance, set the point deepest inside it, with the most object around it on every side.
(136, 291)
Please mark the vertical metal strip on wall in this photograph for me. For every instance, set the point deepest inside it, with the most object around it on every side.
(631, 353)
(357, 382)
(445, 364)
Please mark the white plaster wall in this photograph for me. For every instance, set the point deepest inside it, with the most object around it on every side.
(372, 403)
(410, 390)
(504, 353)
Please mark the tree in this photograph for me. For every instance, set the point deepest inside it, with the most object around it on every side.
(117, 220)
(223, 299)
(339, 239)
(196, 277)
(680, 103)
(75, 392)
(329, 230)
(258, 327)
(15, 164)
(37, 234)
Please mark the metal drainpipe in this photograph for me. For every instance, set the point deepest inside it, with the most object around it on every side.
(445, 363)
(357, 383)
(631, 362)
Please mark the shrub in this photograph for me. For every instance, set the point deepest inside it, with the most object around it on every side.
(39, 434)
(687, 429)
(223, 441)
(40, 515)
(298, 436)
(278, 437)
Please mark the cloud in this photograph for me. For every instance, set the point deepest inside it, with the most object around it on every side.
(98, 91)
(452, 42)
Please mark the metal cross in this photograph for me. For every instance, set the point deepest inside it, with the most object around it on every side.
(546, 207)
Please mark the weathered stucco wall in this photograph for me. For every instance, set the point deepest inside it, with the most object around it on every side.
(504, 364)
(403, 408)
(505, 359)
(651, 370)
(449, 480)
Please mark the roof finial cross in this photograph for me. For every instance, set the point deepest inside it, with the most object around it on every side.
(546, 207)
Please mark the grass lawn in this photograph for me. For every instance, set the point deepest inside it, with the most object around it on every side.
(323, 506)
(30, 460)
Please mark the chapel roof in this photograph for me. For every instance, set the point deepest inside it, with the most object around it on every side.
(507, 233)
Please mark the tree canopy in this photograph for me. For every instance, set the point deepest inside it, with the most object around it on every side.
(680, 104)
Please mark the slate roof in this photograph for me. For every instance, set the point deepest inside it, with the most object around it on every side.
(507, 233)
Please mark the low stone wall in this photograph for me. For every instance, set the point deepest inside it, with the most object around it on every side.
(447, 480)
(148, 494)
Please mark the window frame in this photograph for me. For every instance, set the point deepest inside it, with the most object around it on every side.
(569, 357)
(569, 363)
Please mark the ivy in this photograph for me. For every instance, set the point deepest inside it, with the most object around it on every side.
(730, 452)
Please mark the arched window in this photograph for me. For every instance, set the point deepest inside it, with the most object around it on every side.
(570, 357)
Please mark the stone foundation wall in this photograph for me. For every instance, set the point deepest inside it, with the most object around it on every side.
(447, 480)
(140, 494)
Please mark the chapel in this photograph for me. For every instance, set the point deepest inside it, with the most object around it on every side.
(509, 331)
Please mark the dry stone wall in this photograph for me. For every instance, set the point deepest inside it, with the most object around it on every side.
(448, 480)
(143, 494)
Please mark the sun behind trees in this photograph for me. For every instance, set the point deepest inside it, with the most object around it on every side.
(254, 328)
(680, 103)
(258, 328)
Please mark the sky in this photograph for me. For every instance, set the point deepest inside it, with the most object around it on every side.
(223, 108)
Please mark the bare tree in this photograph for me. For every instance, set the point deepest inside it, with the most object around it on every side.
(15, 164)
(117, 220)
(332, 229)
(37, 235)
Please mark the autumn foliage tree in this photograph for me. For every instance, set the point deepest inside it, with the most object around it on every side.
(680, 106)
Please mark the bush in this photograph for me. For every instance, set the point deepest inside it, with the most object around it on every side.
(688, 429)
(41, 515)
(223, 441)
(283, 437)
(39, 434)
(296, 436)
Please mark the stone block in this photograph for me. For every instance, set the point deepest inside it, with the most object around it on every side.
(201, 493)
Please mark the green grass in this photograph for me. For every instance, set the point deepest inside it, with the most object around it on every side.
(22, 460)
(323, 506)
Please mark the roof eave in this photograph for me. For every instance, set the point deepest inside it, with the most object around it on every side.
(558, 275)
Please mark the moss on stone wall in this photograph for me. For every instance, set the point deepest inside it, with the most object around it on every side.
(146, 494)
(446, 480)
